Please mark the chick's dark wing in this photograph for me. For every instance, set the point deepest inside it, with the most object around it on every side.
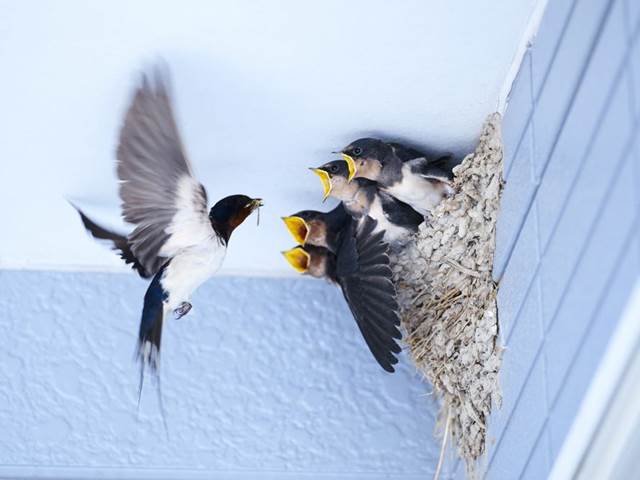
(118, 242)
(400, 213)
(405, 153)
(440, 168)
(363, 273)
(158, 190)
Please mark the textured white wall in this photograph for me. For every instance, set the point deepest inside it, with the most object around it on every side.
(264, 377)
(263, 90)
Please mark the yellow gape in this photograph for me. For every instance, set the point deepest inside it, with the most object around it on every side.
(298, 259)
(326, 181)
(298, 229)
(351, 165)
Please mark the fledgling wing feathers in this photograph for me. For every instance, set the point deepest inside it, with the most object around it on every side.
(400, 213)
(158, 190)
(364, 275)
(438, 169)
(119, 243)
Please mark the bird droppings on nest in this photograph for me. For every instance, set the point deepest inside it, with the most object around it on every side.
(448, 298)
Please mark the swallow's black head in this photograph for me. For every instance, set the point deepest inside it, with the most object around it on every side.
(365, 157)
(310, 215)
(230, 212)
(317, 228)
(333, 175)
(367, 148)
(307, 226)
(336, 168)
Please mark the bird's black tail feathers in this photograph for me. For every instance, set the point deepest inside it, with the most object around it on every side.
(150, 336)
(150, 333)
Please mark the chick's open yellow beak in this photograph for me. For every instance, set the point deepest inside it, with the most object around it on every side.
(298, 228)
(325, 179)
(351, 165)
(298, 259)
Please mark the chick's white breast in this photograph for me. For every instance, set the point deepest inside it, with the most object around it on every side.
(392, 232)
(417, 191)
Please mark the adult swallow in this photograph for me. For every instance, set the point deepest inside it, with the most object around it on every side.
(401, 171)
(176, 240)
(360, 266)
(362, 197)
(321, 229)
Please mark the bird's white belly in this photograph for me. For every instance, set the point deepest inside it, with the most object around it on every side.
(392, 232)
(417, 191)
(191, 268)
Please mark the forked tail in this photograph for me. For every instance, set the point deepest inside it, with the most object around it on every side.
(150, 334)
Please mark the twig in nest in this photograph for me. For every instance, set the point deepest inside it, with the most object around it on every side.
(443, 448)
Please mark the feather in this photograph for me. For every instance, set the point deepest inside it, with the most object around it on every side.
(119, 243)
(363, 273)
(158, 191)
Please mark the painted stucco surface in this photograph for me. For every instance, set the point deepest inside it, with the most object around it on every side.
(264, 377)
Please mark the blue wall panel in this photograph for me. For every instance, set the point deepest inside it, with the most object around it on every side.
(567, 256)
(516, 118)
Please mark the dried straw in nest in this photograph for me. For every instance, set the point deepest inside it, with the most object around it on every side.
(448, 297)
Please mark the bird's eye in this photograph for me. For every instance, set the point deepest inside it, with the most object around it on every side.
(333, 169)
(357, 151)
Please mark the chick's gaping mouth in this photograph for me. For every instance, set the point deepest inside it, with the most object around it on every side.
(298, 258)
(325, 179)
(351, 165)
(297, 228)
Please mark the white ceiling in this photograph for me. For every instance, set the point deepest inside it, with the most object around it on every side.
(263, 90)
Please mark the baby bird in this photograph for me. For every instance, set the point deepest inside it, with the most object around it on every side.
(321, 229)
(362, 197)
(401, 171)
(360, 266)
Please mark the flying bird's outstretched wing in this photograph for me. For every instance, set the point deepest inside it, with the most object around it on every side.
(159, 193)
(363, 273)
(119, 242)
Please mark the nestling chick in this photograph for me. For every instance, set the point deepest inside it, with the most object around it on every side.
(322, 229)
(401, 171)
(360, 267)
(362, 197)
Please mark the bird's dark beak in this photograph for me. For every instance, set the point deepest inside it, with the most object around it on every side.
(351, 165)
(298, 228)
(325, 179)
(298, 258)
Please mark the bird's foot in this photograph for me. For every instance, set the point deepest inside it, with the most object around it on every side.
(182, 310)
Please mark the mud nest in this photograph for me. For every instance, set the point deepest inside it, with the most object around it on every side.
(448, 298)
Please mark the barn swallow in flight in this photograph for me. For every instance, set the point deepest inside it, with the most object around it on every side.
(403, 172)
(322, 229)
(360, 266)
(362, 197)
(175, 240)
